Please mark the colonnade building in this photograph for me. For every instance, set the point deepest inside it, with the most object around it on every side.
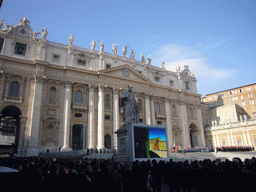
(56, 96)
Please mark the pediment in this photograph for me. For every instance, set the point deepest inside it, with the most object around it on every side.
(126, 71)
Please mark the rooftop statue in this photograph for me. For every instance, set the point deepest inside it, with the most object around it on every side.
(131, 107)
(148, 60)
(142, 58)
(124, 50)
(114, 49)
(44, 33)
(102, 46)
(1, 24)
(71, 40)
(93, 44)
(132, 55)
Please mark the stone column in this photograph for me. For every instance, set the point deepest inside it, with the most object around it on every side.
(249, 138)
(90, 117)
(147, 109)
(21, 146)
(116, 124)
(184, 124)
(66, 115)
(100, 116)
(228, 137)
(35, 118)
(153, 115)
(245, 139)
(200, 125)
(232, 139)
(214, 141)
(168, 122)
(218, 140)
(2, 77)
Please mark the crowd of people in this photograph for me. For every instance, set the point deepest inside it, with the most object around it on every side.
(234, 148)
(218, 149)
(101, 175)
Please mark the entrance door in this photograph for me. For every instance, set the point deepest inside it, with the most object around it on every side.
(77, 137)
(107, 139)
(9, 129)
(194, 135)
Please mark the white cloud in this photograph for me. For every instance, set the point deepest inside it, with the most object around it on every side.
(177, 55)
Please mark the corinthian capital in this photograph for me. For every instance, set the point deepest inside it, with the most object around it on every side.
(67, 83)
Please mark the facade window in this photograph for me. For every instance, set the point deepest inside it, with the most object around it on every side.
(240, 90)
(14, 89)
(243, 103)
(107, 117)
(157, 107)
(251, 101)
(171, 82)
(1, 44)
(55, 58)
(20, 49)
(191, 113)
(159, 122)
(52, 96)
(248, 88)
(107, 103)
(79, 97)
(233, 92)
(249, 95)
(108, 66)
(234, 99)
(254, 115)
(78, 114)
(242, 97)
(81, 62)
(187, 85)
(157, 79)
(239, 143)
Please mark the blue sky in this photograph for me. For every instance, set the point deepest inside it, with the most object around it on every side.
(216, 38)
(154, 133)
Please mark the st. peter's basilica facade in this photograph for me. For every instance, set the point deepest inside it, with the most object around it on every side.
(55, 96)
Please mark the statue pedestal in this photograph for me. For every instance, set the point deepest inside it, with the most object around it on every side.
(124, 143)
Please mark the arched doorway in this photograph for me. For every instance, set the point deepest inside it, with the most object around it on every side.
(107, 141)
(9, 128)
(193, 135)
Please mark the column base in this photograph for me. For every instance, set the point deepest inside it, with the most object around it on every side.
(33, 151)
(66, 148)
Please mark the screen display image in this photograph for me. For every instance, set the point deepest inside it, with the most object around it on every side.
(150, 143)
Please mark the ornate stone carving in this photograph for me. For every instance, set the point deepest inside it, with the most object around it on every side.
(126, 72)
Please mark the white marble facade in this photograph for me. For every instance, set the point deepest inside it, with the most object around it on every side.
(67, 97)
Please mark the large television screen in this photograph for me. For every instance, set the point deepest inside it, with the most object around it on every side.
(150, 142)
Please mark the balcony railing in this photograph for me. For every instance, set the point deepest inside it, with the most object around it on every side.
(13, 99)
(79, 107)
